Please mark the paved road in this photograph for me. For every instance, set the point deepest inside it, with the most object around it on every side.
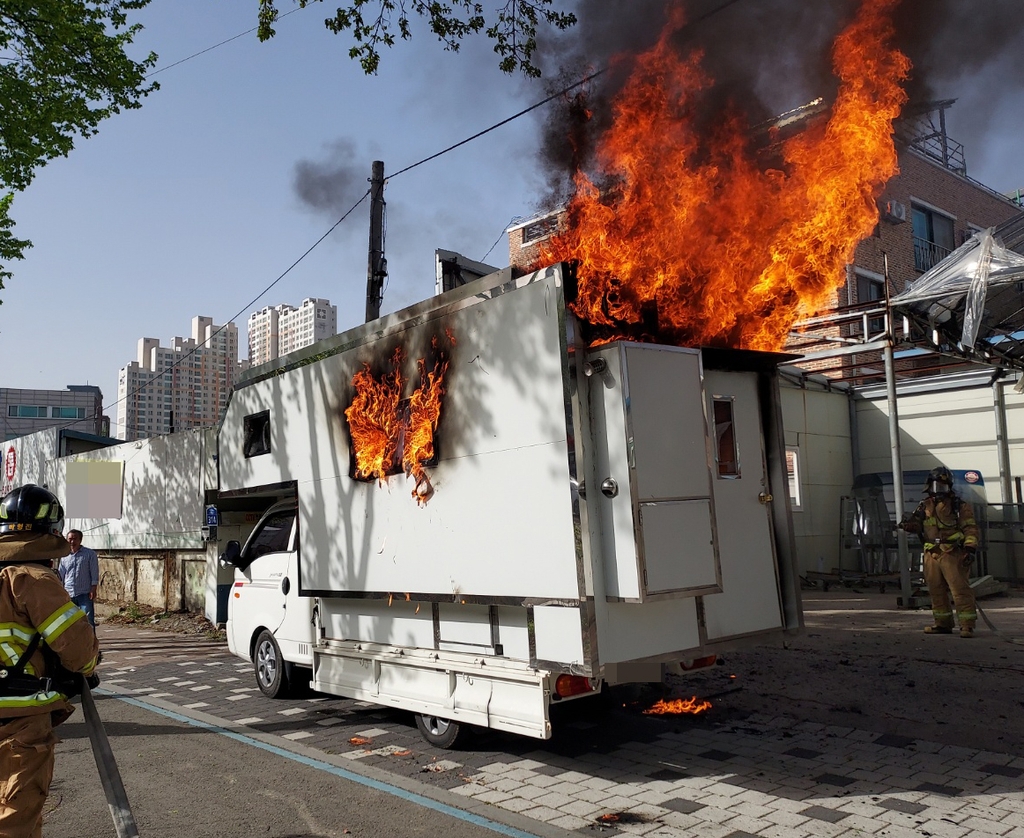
(188, 780)
(738, 771)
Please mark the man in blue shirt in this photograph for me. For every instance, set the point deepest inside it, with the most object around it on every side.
(80, 573)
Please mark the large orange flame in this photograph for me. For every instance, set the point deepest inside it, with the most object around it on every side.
(387, 433)
(698, 243)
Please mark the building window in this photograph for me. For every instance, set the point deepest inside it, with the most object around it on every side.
(27, 411)
(540, 229)
(67, 413)
(933, 237)
(726, 452)
(793, 476)
(871, 288)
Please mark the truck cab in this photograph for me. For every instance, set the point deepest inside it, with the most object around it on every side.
(268, 622)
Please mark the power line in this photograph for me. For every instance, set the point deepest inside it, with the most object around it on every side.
(502, 233)
(479, 134)
(226, 41)
(239, 313)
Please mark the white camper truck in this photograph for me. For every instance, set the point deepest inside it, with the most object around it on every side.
(589, 517)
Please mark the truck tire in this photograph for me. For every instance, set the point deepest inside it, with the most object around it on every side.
(269, 667)
(441, 733)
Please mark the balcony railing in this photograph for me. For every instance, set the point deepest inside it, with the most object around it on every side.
(927, 254)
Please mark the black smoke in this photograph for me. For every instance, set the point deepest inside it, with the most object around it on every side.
(769, 56)
(333, 184)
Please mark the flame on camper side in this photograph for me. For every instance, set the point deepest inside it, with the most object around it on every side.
(390, 433)
(678, 707)
(696, 243)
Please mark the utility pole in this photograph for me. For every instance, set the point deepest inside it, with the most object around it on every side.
(377, 266)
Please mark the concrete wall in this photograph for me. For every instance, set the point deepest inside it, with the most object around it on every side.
(952, 421)
(816, 421)
(154, 551)
(954, 428)
(169, 581)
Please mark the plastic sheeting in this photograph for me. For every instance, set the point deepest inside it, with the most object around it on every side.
(975, 288)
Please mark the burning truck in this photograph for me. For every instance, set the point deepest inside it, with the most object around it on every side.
(476, 515)
(529, 488)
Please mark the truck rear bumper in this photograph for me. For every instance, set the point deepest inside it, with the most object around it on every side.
(489, 692)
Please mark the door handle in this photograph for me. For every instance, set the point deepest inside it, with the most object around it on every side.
(765, 498)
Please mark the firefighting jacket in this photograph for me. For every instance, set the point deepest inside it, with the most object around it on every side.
(947, 523)
(33, 601)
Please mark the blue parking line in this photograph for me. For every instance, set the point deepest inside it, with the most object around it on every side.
(377, 785)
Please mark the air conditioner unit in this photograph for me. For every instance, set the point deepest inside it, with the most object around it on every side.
(894, 212)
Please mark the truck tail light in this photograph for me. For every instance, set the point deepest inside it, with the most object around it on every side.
(570, 685)
(698, 663)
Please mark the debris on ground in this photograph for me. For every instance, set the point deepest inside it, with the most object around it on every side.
(178, 622)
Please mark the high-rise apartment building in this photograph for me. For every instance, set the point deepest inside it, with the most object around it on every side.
(278, 330)
(185, 385)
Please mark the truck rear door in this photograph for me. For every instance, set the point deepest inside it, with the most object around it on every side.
(749, 601)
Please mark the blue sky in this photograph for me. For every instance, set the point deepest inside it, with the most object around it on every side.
(188, 206)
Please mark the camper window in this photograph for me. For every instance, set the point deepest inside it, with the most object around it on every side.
(727, 455)
(256, 431)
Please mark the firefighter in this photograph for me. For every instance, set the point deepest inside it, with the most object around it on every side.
(44, 640)
(945, 523)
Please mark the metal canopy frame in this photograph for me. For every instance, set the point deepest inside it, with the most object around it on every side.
(969, 307)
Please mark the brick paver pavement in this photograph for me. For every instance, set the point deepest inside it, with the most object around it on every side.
(612, 769)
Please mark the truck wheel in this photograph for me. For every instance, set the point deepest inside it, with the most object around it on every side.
(266, 660)
(442, 733)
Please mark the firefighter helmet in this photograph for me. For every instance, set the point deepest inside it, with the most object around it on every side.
(940, 481)
(31, 509)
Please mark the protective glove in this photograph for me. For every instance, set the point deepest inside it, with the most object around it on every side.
(969, 555)
(92, 680)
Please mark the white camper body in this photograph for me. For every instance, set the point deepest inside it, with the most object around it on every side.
(597, 513)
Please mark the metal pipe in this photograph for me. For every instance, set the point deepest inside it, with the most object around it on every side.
(897, 475)
(894, 447)
(1002, 440)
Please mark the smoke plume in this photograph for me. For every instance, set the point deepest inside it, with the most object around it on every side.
(332, 185)
(769, 56)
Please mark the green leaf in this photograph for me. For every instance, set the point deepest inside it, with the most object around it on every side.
(69, 71)
(373, 24)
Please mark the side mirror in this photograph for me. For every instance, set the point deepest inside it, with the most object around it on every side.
(231, 554)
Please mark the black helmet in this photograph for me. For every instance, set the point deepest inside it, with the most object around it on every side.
(940, 481)
(31, 508)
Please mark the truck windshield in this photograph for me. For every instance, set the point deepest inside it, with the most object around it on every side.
(274, 536)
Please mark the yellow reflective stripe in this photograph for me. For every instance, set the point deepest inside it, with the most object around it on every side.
(90, 666)
(942, 613)
(59, 621)
(40, 699)
(9, 653)
(16, 630)
(968, 615)
(932, 521)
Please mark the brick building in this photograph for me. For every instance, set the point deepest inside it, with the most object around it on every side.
(928, 210)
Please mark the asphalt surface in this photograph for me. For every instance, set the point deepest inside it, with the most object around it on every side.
(189, 780)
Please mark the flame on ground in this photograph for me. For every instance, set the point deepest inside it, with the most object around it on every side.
(391, 434)
(678, 707)
(699, 243)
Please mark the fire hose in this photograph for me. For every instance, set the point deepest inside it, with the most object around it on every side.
(110, 777)
(994, 630)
